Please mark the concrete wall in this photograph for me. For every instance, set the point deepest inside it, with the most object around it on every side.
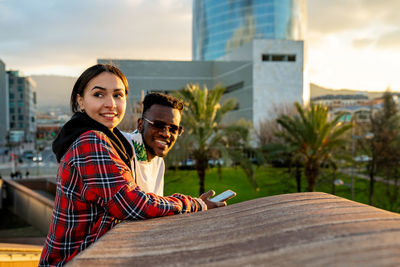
(231, 73)
(37, 210)
(162, 75)
(276, 83)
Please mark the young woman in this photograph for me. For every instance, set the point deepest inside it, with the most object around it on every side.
(95, 186)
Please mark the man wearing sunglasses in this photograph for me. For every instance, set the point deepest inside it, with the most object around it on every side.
(157, 132)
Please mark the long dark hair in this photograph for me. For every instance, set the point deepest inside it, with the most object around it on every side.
(88, 75)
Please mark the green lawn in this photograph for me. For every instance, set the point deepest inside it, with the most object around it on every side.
(272, 181)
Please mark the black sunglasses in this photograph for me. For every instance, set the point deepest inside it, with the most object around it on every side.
(160, 125)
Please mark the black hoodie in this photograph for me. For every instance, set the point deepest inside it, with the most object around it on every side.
(80, 123)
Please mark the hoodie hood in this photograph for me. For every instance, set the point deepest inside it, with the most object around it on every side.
(81, 123)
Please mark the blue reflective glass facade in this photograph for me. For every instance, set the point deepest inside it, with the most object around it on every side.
(223, 25)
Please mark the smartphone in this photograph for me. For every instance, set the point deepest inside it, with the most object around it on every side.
(224, 196)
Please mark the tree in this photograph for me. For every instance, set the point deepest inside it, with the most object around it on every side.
(385, 148)
(235, 143)
(273, 147)
(205, 135)
(313, 137)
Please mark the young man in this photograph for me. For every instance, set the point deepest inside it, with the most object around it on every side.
(158, 130)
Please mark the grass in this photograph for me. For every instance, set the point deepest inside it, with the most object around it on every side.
(272, 181)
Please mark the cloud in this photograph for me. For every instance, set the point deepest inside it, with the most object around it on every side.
(66, 32)
(362, 43)
(385, 11)
(364, 23)
(330, 16)
(389, 40)
(333, 16)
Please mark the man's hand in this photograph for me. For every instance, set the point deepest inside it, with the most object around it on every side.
(211, 204)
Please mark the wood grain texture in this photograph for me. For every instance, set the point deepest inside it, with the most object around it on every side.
(302, 229)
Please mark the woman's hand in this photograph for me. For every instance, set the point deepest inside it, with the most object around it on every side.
(211, 204)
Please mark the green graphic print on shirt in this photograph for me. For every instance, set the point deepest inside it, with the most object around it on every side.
(140, 151)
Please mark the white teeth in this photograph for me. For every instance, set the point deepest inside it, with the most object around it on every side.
(161, 142)
(109, 115)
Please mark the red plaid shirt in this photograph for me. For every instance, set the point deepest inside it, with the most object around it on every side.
(95, 189)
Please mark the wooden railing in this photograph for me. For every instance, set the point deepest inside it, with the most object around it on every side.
(302, 229)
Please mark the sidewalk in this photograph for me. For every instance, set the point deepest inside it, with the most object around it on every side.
(352, 171)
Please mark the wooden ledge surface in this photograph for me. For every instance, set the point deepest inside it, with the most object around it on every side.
(301, 229)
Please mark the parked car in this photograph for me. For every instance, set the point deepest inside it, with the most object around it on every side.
(28, 154)
(37, 158)
(187, 164)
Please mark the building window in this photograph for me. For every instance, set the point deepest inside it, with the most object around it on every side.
(278, 57)
(234, 87)
(20, 117)
(12, 110)
(291, 58)
(266, 57)
(11, 95)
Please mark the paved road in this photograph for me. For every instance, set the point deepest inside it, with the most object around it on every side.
(351, 172)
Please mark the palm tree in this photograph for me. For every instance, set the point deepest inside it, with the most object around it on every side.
(205, 135)
(313, 137)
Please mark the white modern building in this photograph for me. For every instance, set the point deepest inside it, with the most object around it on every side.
(277, 68)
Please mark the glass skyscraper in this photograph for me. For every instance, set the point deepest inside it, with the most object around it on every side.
(223, 25)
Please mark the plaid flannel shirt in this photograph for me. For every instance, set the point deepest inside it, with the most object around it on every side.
(95, 189)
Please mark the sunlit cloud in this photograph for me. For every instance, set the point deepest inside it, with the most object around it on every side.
(77, 32)
(354, 44)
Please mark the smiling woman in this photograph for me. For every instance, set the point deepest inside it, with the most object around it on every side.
(104, 99)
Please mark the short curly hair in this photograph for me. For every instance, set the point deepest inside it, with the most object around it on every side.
(162, 99)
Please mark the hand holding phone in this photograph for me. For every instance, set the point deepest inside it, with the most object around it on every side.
(224, 196)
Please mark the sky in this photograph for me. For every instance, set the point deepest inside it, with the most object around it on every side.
(352, 44)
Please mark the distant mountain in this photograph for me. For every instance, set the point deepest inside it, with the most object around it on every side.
(53, 91)
(316, 90)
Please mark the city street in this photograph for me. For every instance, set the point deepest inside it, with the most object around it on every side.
(41, 164)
